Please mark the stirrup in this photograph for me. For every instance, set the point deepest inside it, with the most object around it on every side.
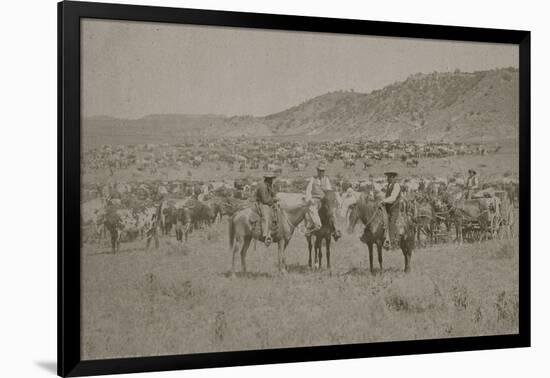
(267, 241)
(387, 244)
(310, 230)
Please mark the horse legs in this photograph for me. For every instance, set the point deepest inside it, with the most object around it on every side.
(114, 240)
(369, 245)
(407, 256)
(319, 252)
(459, 232)
(235, 248)
(379, 251)
(309, 247)
(407, 253)
(281, 247)
(156, 236)
(328, 251)
(244, 249)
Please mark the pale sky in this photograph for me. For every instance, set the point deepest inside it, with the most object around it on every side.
(132, 69)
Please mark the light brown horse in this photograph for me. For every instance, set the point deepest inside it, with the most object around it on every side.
(368, 211)
(242, 230)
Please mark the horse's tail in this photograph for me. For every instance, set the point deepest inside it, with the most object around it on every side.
(231, 232)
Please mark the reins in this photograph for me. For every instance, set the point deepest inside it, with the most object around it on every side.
(372, 217)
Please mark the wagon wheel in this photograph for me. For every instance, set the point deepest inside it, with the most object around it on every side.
(497, 226)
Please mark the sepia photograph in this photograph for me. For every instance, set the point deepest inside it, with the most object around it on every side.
(246, 189)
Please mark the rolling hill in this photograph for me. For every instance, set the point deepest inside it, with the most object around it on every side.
(457, 106)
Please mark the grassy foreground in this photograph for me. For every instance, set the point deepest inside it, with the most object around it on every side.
(177, 300)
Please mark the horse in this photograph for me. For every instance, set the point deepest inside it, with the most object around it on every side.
(369, 212)
(242, 230)
(182, 223)
(472, 218)
(425, 219)
(327, 217)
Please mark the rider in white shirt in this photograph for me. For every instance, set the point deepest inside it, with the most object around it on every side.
(315, 191)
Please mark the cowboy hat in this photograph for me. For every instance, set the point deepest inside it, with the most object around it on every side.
(390, 174)
(472, 171)
(269, 174)
(322, 166)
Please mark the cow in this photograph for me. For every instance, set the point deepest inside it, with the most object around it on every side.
(128, 223)
(168, 213)
(349, 163)
(92, 216)
(201, 214)
(412, 163)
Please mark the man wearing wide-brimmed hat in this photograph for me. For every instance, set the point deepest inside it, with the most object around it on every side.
(472, 183)
(393, 194)
(315, 191)
(265, 199)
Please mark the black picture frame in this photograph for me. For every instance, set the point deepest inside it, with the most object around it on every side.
(69, 359)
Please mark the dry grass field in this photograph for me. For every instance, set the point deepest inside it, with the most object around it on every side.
(180, 298)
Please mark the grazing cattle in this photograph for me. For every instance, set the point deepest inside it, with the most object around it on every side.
(168, 213)
(412, 163)
(93, 217)
(218, 206)
(349, 163)
(201, 214)
(129, 223)
(366, 164)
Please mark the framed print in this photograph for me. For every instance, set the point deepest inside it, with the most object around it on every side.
(239, 188)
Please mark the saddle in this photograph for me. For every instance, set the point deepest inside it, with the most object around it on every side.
(256, 224)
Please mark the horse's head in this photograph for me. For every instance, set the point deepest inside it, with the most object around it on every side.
(329, 205)
(311, 211)
(330, 201)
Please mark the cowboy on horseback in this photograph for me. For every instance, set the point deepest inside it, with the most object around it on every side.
(315, 192)
(265, 200)
(393, 195)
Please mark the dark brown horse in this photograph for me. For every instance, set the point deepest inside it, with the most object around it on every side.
(327, 215)
(369, 212)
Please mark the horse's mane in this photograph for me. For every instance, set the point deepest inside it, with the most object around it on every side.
(365, 207)
(293, 208)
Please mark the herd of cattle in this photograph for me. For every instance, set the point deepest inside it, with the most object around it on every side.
(244, 154)
(129, 210)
